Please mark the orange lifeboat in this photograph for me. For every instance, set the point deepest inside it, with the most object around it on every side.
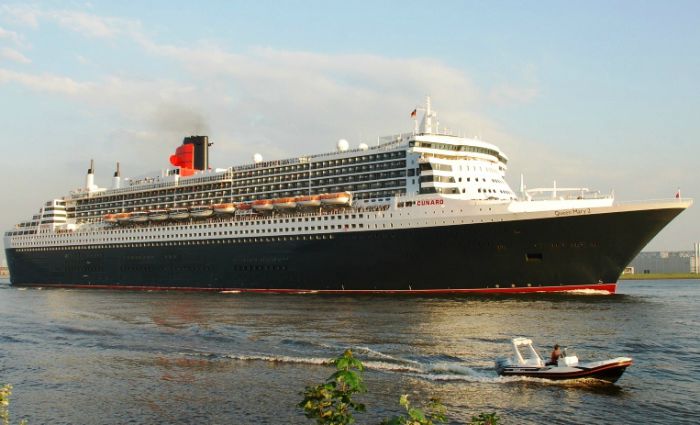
(123, 217)
(336, 199)
(224, 208)
(284, 203)
(263, 205)
(310, 201)
(243, 206)
(110, 218)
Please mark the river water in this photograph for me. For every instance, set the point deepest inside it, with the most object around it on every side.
(117, 357)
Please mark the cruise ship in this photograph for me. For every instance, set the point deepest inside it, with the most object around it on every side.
(422, 212)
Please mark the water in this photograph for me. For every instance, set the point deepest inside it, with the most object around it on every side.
(117, 357)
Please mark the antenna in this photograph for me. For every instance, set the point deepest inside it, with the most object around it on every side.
(116, 180)
(90, 178)
(428, 117)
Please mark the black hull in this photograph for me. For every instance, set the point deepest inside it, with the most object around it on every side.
(607, 373)
(516, 256)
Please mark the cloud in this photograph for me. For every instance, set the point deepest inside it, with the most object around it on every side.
(266, 97)
(10, 35)
(21, 14)
(13, 55)
(274, 96)
(277, 102)
(91, 25)
(45, 82)
(83, 60)
(149, 112)
(87, 24)
(507, 94)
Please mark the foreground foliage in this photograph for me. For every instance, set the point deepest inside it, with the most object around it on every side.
(433, 412)
(331, 403)
(5, 393)
(485, 419)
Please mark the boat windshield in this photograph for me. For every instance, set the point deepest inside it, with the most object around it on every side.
(529, 355)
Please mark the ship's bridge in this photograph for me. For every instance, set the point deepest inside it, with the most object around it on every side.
(453, 147)
(461, 166)
(469, 176)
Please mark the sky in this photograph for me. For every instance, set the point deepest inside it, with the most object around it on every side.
(597, 94)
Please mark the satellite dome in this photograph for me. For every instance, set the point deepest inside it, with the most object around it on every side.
(363, 146)
(343, 145)
(257, 158)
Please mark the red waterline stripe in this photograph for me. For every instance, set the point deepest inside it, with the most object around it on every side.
(607, 287)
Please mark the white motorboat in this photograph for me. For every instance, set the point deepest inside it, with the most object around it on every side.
(527, 362)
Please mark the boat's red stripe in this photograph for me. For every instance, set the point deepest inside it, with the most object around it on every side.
(606, 287)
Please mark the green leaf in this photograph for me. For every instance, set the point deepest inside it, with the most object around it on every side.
(416, 414)
(331, 403)
(342, 363)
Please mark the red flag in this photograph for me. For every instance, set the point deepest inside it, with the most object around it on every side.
(413, 114)
(678, 194)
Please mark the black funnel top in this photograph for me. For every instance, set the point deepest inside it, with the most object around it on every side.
(201, 151)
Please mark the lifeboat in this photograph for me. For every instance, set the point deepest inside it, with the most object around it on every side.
(284, 203)
(336, 199)
(123, 217)
(243, 206)
(310, 201)
(178, 213)
(262, 205)
(110, 218)
(139, 217)
(158, 215)
(201, 211)
(224, 208)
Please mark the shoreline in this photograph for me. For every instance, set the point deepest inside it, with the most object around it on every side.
(659, 276)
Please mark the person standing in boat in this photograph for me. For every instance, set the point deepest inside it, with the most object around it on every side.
(554, 358)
